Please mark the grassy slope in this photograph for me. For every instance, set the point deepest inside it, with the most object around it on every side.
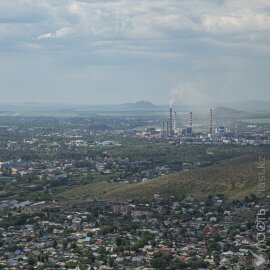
(235, 178)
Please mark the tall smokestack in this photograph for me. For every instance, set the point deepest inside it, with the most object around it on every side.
(190, 120)
(236, 129)
(167, 130)
(174, 122)
(163, 129)
(211, 122)
(189, 126)
(171, 123)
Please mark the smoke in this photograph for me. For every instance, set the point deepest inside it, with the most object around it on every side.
(188, 93)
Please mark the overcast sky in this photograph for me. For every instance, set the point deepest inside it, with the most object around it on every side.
(115, 51)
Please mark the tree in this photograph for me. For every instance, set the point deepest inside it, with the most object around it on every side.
(161, 261)
(54, 243)
(119, 241)
(31, 260)
(111, 262)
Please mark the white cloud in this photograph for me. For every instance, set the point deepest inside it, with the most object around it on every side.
(134, 19)
(65, 31)
(45, 36)
(243, 22)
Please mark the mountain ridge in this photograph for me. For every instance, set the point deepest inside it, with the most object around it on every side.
(142, 104)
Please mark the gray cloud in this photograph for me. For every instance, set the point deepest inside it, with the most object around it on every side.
(116, 46)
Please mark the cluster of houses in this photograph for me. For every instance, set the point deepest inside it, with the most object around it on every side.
(172, 233)
(117, 169)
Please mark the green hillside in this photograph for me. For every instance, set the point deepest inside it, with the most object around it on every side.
(235, 178)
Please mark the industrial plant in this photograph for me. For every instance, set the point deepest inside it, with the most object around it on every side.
(171, 132)
(169, 127)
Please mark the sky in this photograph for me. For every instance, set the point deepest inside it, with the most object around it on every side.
(117, 51)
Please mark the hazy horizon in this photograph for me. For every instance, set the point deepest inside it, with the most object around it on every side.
(52, 103)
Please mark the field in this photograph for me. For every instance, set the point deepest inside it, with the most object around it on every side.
(257, 120)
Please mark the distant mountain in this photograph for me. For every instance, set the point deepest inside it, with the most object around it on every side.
(250, 105)
(140, 105)
(225, 112)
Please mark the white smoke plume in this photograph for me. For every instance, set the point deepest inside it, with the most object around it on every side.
(188, 93)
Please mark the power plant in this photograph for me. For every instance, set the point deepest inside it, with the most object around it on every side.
(170, 130)
(206, 129)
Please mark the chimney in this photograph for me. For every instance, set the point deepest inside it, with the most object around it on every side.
(190, 120)
(174, 123)
(189, 126)
(236, 129)
(163, 129)
(171, 123)
(211, 122)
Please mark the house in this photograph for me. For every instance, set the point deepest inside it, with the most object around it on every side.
(164, 250)
(122, 209)
(138, 259)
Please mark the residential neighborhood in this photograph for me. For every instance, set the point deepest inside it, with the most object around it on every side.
(172, 233)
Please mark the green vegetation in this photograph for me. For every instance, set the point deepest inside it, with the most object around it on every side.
(235, 178)
(162, 152)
